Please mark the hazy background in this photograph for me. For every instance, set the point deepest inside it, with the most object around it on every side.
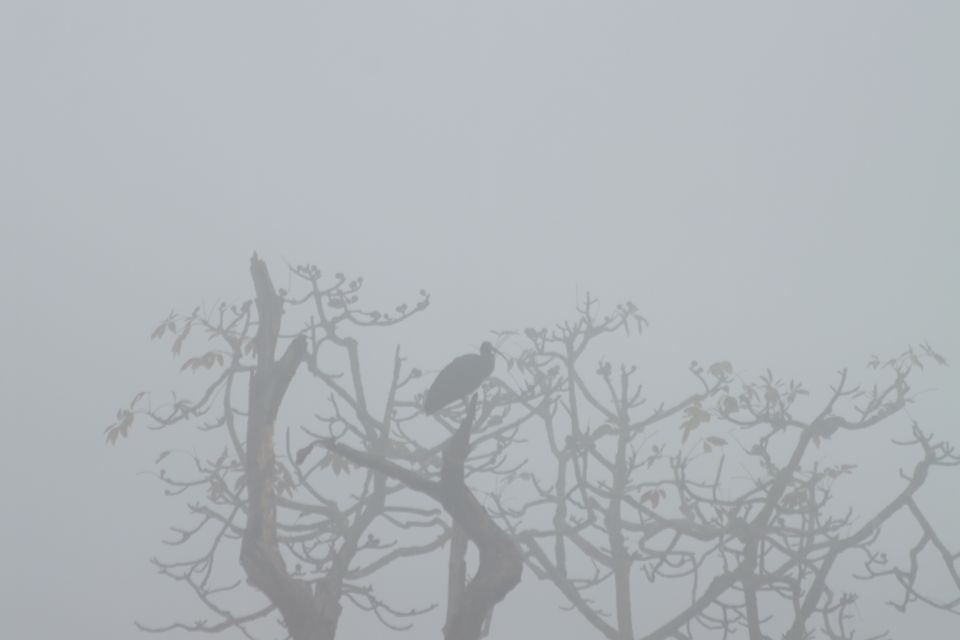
(771, 183)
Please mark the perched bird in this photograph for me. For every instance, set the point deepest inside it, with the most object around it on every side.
(460, 378)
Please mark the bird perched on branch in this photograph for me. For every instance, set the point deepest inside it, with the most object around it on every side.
(460, 378)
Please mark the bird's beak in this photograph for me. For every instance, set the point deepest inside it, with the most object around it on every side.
(505, 358)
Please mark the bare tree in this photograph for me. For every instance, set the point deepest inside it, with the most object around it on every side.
(312, 538)
(733, 493)
(724, 489)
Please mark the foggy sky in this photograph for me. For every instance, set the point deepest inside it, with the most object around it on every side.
(775, 184)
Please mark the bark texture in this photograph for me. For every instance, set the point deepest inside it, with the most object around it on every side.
(308, 614)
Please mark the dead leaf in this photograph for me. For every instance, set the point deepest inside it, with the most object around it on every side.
(721, 370)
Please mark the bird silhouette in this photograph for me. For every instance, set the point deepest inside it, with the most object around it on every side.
(460, 378)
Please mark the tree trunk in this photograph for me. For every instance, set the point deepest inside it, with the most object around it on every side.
(457, 571)
(307, 615)
(501, 561)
